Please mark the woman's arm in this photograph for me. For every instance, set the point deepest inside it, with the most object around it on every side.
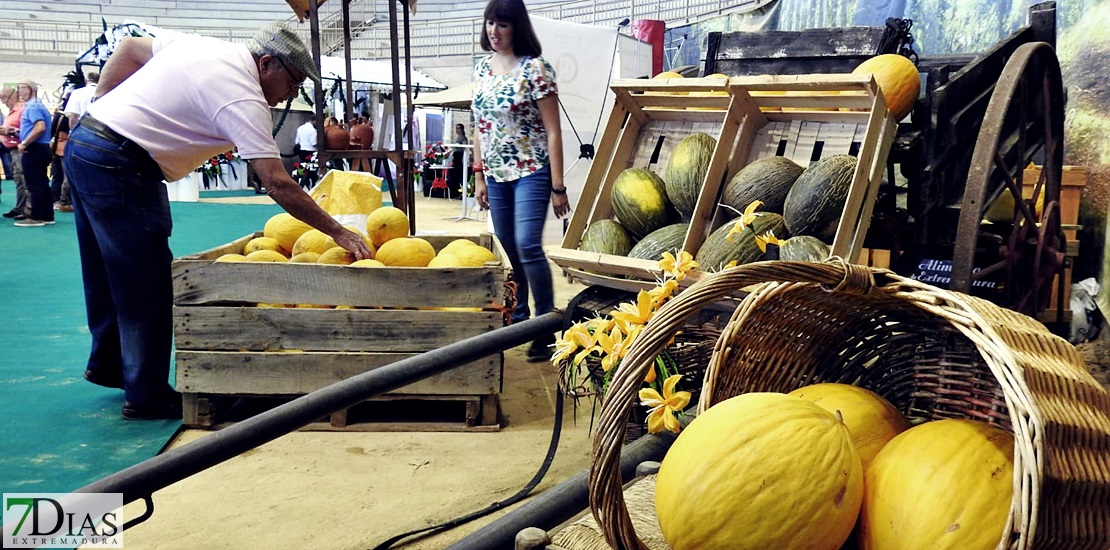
(549, 113)
(481, 195)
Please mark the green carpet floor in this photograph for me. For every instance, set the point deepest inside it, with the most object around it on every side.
(58, 432)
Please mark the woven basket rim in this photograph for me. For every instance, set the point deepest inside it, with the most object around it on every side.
(962, 312)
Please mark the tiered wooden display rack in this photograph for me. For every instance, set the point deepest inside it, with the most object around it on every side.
(804, 118)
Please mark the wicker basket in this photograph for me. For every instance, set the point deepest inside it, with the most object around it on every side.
(931, 352)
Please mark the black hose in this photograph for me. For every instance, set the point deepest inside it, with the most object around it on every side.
(551, 448)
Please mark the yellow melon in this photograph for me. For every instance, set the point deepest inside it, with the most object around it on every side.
(336, 255)
(406, 252)
(871, 420)
(312, 240)
(305, 258)
(330, 242)
(474, 256)
(760, 470)
(270, 306)
(446, 259)
(266, 256)
(710, 94)
(232, 258)
(898, 79)
(666, 75)
(946, 484)
(285, 229)
(367, 263)
(386, 223)
(451, 246)
(313, 306)
(262, 243)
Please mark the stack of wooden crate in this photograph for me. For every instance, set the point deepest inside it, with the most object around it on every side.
(231, 341)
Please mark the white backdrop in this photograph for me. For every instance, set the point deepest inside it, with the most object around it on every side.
(582, 56)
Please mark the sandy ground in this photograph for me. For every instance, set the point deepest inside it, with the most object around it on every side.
(338, 490)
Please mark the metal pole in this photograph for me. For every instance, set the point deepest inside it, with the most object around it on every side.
(145, 478)
(560, 503)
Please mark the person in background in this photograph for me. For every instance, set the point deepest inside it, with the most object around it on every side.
(519, 152)
(34, 156)
(457, 173)
(304, 146)
(5, 152)
(59, 190)
(78, 103)
(148, 124)
(9, 136)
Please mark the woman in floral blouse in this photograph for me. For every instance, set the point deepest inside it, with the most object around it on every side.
(519, 152)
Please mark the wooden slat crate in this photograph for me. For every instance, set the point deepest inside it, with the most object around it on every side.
(804, 118)
(228, 346)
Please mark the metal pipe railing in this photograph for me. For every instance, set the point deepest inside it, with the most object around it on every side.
(143, 479)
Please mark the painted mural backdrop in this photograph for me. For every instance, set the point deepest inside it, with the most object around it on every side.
(970, 26)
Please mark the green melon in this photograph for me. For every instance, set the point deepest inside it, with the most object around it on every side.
(685, 173)
(640, 201)
(717, 250)
(606, 237)
(815, 203)
(767, 180)
(803, 248)
(665, 239)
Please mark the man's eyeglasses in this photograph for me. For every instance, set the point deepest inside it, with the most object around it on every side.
(297, 81)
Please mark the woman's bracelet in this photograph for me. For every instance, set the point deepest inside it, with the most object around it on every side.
(560, 191)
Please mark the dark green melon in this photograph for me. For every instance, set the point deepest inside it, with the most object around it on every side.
(803, 248)
(685, 173)
(768, 180)
(640, 201)
(816, 201)
(664, 239)
(606, 237)
(717, 250)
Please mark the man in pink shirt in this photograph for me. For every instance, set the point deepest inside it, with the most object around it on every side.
(9, 137)
(163, 106)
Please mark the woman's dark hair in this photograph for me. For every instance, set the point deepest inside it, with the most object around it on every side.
(514, 13)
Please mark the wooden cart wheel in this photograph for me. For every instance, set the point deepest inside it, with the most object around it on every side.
(1024, 121)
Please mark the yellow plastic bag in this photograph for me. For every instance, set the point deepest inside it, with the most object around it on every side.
(349, 196)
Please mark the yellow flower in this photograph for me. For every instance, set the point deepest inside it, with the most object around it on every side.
(609, 342)
(634, 314)
(665, 407)
(677, 267)
(576, 337)
(729, 265)
(745, 219)
(662, 292)
(765, 239)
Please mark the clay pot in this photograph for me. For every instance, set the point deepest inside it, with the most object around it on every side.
(336, 138)
(362, 136)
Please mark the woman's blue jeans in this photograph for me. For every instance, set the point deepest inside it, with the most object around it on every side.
(123, 223)
(518, 209)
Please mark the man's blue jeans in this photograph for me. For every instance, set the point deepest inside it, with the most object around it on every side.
(518, 209)
(123, 223)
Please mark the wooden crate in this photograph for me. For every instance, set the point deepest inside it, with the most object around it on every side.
(760, 116)
(228, 346)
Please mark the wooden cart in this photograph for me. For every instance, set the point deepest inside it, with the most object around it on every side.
(979, 123)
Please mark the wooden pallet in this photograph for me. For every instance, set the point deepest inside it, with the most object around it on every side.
(390, 413)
